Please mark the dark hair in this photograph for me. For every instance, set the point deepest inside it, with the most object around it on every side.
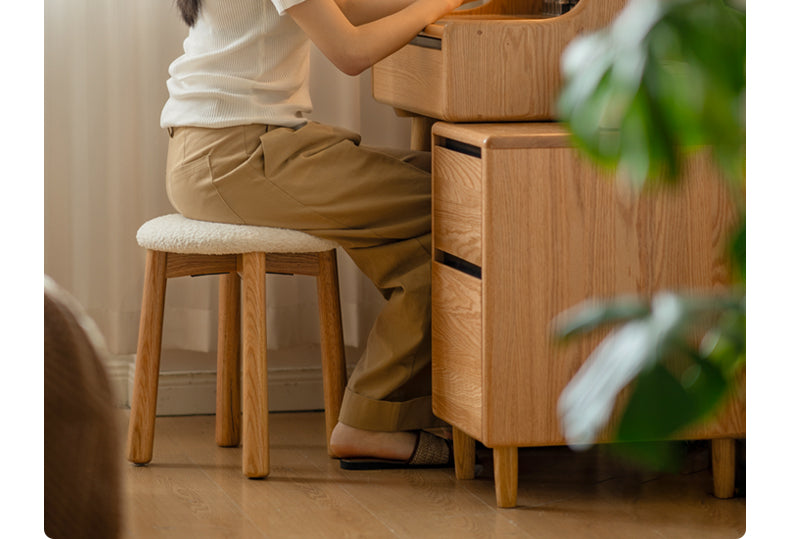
(189, 10)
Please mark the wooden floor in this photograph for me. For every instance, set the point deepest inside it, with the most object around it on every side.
(193, 489)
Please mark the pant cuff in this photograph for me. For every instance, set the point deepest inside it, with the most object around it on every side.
(371, 414)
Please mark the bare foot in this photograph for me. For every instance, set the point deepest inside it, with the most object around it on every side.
(347, 442)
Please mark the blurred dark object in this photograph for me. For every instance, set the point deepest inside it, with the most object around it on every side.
(82, 495)
(552, 8)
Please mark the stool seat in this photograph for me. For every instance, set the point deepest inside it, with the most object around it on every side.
(175, 233)
(239, 254)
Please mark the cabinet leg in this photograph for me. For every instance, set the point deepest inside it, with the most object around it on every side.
(723, 456)
(506, 475)
(464, 454)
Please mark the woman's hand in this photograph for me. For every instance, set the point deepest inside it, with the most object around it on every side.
(355, 48)
(359, 12)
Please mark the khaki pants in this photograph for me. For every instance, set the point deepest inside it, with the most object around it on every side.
(374, 203)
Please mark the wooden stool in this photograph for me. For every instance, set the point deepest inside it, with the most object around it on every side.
(177, 247)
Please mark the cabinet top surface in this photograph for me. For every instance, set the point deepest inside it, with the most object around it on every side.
(506, 135)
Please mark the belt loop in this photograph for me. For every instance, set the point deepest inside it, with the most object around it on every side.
(170, 131)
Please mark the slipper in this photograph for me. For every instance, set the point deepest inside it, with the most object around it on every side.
(429, 452)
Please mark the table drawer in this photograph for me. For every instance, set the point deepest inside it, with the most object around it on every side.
(412, 78)
(457, 204)
(457, 348)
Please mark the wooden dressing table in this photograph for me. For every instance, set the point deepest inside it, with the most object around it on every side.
(524, 228)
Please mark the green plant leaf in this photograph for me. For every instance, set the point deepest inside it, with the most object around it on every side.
(706, 388)
(594, 314)
(669, 76)
(638, 349)
(587, 401)
(738, 250)
(724, 345)
(658, 407)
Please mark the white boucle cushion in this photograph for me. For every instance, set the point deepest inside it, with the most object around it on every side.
(176, 234)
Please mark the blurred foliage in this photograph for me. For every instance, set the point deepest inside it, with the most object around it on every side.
(676, 381)
(666, 78)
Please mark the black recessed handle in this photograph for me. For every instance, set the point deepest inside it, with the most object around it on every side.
(427, 42)
(458, 263)
(460, 147)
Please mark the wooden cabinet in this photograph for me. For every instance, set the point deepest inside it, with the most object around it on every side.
(523, 228)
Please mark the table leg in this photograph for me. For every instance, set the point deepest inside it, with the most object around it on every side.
(421, 133)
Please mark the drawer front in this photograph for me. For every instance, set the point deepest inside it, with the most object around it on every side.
(458, 204)
(457, 348)
(412, 79)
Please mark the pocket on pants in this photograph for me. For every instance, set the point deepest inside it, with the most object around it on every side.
(190, 188)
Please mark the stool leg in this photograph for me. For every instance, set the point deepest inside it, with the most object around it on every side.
(228, 413)
(255, 426)
(140, 440)
(333, 354)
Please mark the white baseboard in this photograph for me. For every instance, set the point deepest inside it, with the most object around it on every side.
(119, 369)
(294, 386)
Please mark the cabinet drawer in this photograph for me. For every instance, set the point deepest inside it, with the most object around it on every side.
(457, 204)
(457, 348)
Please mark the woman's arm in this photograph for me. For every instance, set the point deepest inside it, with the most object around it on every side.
(355, 48)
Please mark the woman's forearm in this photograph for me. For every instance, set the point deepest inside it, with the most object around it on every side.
(355, 48)
(388, 34)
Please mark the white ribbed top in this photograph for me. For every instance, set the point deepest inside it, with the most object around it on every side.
(244, 62)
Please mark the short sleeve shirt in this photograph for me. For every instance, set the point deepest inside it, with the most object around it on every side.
(244, 62)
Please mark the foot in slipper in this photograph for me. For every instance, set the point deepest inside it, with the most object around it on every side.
(429, 452)
(365, 449)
